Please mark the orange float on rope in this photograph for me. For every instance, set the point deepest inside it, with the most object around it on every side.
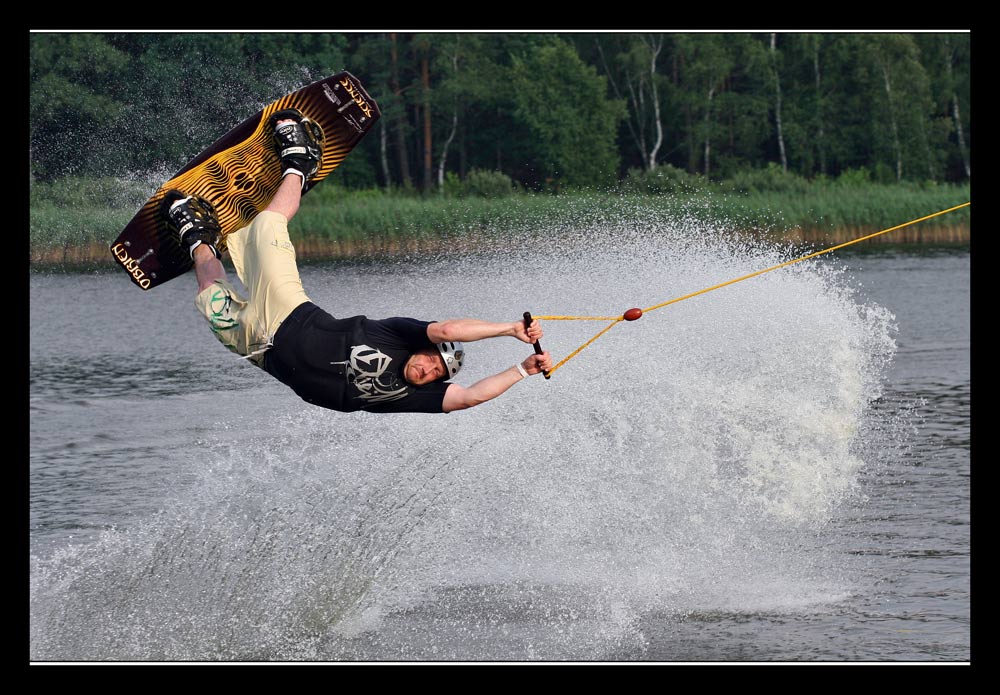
(632, 314)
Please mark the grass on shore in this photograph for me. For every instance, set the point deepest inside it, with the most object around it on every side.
(85, 214)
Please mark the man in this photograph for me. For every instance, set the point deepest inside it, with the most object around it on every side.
(392, 365)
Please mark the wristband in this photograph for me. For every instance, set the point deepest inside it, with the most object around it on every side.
(521, 369)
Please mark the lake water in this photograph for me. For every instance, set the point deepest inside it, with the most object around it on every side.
(778, 470)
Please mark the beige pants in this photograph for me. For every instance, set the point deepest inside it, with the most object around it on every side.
(265, 263)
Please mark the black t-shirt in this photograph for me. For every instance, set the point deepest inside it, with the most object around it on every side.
(352, 364)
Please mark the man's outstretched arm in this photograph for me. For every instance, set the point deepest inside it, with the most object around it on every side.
(459, 398)
(470, 330)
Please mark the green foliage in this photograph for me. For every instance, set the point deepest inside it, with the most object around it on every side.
(478, 183)
(551, 111)
(901, 97)
(769, 179)
(573, 122)
(487, 184)
(663, 180)
(77, 192)
(357, 171)
(107, 104)
(77, 212)
(854, 177)
(69, 100)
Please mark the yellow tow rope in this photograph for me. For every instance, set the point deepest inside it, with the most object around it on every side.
(635, 313)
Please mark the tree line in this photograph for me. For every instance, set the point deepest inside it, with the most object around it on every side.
(548, 110)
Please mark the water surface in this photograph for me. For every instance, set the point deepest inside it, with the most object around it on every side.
(774, 471)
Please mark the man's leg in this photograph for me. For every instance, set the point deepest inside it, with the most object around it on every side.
(262, 252)
(287, 198)
(196, 223)
(265, 260)
(207, 268)
(263, 256)
(243, 244)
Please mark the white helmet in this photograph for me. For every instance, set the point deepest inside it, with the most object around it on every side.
(453, 354)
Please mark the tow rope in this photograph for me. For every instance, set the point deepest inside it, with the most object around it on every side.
(635, 312)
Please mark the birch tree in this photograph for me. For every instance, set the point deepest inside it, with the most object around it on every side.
(948, 58)
(654, 44)
(777, 102)
(907, 99)
(452, 57)
(706, 63)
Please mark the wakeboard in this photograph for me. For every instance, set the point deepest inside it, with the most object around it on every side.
(240, 173)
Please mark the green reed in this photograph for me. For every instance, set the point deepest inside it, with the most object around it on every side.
(82, 213)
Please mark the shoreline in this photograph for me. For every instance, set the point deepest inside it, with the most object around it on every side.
(313, 248)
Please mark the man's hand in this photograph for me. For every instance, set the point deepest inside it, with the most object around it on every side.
(528, 335)
(460, 398)
(536, 364)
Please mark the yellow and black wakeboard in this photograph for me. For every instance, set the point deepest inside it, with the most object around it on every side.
(240, 174)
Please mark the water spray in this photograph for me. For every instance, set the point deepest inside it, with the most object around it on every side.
(635, 312)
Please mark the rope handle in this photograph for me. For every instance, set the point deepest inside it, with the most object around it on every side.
(537, 343)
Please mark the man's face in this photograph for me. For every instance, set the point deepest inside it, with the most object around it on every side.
(424, 367)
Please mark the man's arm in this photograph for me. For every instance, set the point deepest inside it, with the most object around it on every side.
(470, 330)
(460, 398)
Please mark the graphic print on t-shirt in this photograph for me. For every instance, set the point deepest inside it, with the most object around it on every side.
(368, 372)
